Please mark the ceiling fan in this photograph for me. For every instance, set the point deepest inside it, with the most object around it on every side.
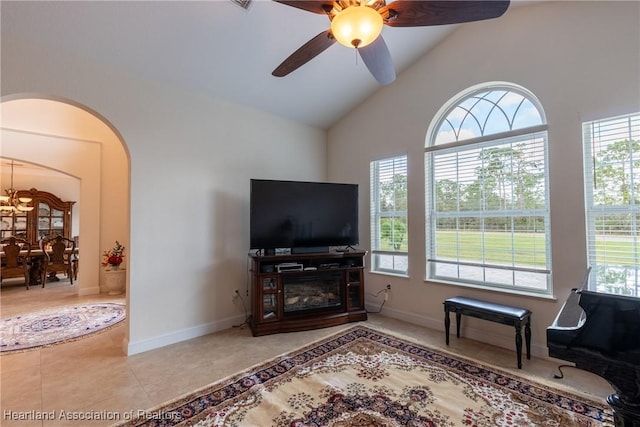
(358, 24)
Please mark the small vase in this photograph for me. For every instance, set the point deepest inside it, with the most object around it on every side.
(114, 266)
(115, 280)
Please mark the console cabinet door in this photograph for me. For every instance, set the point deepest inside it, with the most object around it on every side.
(270, 298)
(355, 290)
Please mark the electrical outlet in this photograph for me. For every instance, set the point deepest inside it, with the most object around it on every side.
(387, 289)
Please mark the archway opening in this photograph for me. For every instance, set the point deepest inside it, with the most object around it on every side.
(65, 138)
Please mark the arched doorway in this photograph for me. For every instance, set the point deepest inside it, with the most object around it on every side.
(70, 138)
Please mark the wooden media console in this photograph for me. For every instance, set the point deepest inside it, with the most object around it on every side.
(306, 291)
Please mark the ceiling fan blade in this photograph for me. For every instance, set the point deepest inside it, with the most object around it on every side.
(305, 53)
(413, 13)
(377, 58)
(314, 6)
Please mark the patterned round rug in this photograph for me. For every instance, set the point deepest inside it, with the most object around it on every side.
(57, 325)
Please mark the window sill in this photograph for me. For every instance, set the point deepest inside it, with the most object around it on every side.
(389, 273)
(519, 292)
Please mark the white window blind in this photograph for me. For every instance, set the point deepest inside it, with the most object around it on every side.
(389, 228)
(612, 188)
(487, 193)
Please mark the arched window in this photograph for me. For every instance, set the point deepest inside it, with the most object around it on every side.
(486, 177)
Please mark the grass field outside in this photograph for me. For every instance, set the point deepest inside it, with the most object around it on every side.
(526, 249)
(617, 263)
(522, 249)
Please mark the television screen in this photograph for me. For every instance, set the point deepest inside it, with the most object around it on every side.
(296, 214)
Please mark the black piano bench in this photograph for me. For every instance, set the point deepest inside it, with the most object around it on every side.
(505, 314)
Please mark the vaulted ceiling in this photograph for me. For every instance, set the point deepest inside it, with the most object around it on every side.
(219, 48)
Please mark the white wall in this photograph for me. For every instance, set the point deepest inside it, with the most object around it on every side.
(581, 59)
(191, 158)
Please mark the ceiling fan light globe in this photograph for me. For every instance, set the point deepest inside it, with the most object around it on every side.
(356, 26)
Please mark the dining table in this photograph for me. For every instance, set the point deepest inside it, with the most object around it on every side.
(36, 261)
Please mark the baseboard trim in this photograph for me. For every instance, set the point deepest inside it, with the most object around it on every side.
(142, 346)
(413, 318)
(482, 335)
(94, 290)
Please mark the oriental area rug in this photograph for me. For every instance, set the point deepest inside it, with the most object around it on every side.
(363, 377)
(57, 325)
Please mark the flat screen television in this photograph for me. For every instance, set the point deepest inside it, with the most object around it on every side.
(299, 214)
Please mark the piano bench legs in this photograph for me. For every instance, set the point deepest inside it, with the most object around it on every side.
(507, 315)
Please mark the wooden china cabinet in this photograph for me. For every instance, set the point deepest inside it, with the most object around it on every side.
(51, 216)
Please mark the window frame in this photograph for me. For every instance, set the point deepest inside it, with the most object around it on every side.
(599, 247)
(498, 138)
(378, 255)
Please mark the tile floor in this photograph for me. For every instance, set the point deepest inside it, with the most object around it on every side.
(92, 376)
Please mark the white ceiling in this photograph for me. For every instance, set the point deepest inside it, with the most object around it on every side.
(21, 168)
(219, 48)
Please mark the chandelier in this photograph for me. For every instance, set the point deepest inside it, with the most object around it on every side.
(11, 203)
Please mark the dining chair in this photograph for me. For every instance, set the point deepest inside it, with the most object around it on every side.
(75, 258)
(15, 259)
(58, 257)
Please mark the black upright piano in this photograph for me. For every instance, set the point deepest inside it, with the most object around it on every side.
(600, 333)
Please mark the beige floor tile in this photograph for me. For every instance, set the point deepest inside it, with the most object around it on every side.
(92, 375)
